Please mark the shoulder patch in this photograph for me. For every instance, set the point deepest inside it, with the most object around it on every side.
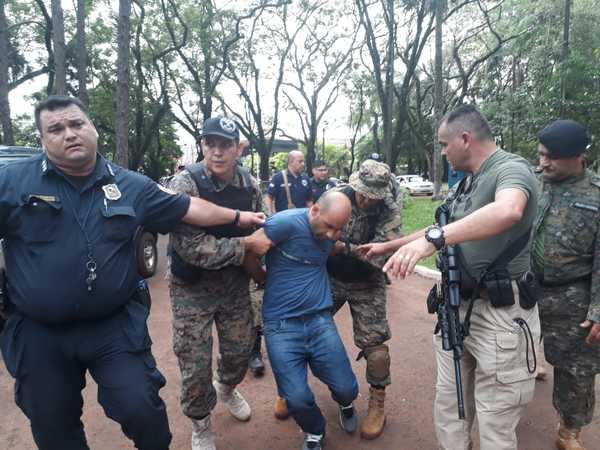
(166, 190)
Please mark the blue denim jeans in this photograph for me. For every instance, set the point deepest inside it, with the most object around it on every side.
(312, 340)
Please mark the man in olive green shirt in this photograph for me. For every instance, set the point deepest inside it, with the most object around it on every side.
(491, 210)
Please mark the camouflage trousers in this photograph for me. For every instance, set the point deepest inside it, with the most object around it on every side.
(256, 300)
(224, 300)
(367, 302)
(562, 309)
(574, 396)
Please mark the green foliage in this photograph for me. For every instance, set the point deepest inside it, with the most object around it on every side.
(418, 213)
(25, 132)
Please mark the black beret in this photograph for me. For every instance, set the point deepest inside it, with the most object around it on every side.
(564, 138)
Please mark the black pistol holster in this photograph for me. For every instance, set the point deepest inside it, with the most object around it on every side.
(142, 294)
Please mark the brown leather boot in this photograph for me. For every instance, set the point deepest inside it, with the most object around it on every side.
(568, 438)
(372, 425)
(281, 410)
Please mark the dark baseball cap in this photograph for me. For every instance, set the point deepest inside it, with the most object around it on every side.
(564, 138)
(220, 126)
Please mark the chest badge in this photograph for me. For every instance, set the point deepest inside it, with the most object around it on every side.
(111, 192)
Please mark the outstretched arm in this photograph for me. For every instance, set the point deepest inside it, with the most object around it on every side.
(506, 210)
(202, 213)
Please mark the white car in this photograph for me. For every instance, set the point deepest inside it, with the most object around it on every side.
(415, 184)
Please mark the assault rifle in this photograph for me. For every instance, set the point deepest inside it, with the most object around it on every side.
(444, 299)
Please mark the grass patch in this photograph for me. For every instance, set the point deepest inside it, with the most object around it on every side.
(419, 212)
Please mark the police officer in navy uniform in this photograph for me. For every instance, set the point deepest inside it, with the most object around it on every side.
(68, 217)
(320, 181)
(298, 186)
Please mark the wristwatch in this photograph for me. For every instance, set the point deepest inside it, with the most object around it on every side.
(435, 235)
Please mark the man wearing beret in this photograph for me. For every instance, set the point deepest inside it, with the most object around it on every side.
(566, 260)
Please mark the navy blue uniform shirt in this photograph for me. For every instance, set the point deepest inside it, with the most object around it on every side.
(47, 221)
(300, 190)
(319, 187)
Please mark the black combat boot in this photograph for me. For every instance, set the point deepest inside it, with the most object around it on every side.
(256, 365)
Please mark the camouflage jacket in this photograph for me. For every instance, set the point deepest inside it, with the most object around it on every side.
(379, 224)
(567, 231)
(194, 245)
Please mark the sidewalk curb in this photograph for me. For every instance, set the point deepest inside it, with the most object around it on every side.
(426, 272)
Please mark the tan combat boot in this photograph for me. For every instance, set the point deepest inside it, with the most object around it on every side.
(568, 438)
(372, 425)
(280, 410)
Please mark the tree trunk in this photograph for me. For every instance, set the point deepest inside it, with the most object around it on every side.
(389, 85)
(437, 169)
(122, 116)
(7, 137)
(564, 57)
(60, 53)
(81, 53)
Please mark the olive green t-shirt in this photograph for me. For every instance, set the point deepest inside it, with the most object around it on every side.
(502, 170)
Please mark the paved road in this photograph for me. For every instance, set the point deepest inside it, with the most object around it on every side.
(409, 405)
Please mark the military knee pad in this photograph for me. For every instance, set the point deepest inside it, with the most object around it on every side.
(378, 365)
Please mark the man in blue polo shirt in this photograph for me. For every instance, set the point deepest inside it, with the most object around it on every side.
(68, 217)
(298, 325)
(289, 188)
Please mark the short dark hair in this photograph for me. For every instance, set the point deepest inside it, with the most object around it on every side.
(55, 102)
(468, 118)
(319, 163)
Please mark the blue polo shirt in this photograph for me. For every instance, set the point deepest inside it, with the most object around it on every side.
(297, 281)
(300, 190)
(52, 224)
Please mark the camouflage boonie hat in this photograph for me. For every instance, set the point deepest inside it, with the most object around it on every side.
(372, 179)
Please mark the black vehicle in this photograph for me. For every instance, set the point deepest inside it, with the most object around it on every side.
(145, 241)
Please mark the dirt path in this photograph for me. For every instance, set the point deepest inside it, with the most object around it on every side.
(409, 404)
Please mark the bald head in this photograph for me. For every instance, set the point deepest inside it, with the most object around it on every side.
(296, 162)
(329, 215)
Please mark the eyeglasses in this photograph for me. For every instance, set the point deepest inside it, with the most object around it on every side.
(221, 144)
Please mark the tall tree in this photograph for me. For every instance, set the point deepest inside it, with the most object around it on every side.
(7, 130)
(259, 123)
(383, 67)
(318, 65)
(564, 56)
(122, 115)
(438, 97)
(81, 53)
(60, 50)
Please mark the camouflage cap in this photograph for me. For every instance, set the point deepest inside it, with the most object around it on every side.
(372, 179)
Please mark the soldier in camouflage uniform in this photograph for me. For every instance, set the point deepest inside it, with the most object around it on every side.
(376, 217)
(209, 283)
(566, 260)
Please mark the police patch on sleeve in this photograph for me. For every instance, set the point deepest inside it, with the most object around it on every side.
(166, 190)
(304, 183)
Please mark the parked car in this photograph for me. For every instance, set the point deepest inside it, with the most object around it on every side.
(144, 241)
(415, 184)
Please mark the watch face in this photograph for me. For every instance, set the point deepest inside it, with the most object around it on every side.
(434, 233)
